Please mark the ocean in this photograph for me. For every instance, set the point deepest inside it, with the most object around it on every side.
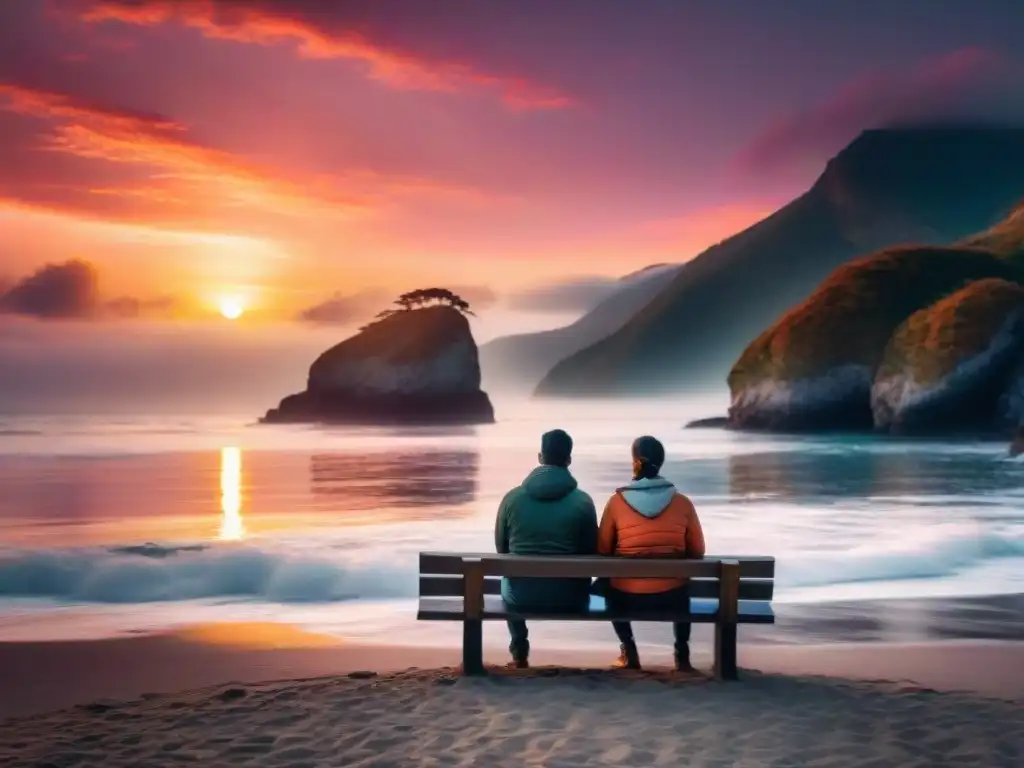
(121, 525)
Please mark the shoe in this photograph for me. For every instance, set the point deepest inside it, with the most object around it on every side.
(629, 658)
(683, 663)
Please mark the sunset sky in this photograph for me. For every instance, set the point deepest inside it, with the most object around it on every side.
(286, 152)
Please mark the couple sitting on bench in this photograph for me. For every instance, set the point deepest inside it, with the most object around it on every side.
(549, 515)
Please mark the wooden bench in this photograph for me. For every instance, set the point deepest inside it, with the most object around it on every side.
(724, 591)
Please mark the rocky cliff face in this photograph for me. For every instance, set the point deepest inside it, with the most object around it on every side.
(452, 369)
(1010, 407)
(911, 340)
(815, 367)
(948, 367)
(417, 366)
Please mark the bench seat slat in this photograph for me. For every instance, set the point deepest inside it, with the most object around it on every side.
(451, 586)
(435, 563)
(702, 611)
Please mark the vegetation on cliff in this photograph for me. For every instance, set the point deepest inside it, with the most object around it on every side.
(932, 342)
(850, 318)
(424, 297)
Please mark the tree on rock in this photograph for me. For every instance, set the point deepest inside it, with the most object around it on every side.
(423, 297)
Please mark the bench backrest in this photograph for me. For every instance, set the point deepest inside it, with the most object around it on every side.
(441, 573)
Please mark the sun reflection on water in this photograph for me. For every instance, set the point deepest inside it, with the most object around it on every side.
(231, 526)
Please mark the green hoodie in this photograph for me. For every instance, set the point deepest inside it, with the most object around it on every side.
(546, 515)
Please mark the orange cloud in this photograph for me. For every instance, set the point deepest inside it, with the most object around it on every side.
(42, 103)
(263, 24)
(184, 181)
(189, 168)
(184, 170)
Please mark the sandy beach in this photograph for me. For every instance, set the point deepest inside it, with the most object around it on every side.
(271, 695)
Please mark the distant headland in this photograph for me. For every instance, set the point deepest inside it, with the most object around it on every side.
(928, 186)
(911, 340)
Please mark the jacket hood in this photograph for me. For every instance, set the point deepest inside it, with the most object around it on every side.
(649, 496)
(549, 483)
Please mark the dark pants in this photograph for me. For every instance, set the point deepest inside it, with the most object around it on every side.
(673, 600)
(519, 646)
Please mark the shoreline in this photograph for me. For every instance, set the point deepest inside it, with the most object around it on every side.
(991, 617)
(722, 424)
(272, 695)
(51, 675)
(895, 620)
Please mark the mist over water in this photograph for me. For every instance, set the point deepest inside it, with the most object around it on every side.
(125, 369)
(137, 523)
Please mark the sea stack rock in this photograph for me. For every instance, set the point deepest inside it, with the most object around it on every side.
(415, 366)
(952, 367)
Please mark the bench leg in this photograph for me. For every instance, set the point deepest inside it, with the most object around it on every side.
(472, 647)
(725, 651)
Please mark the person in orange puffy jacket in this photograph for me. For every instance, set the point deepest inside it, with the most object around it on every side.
(649, 518)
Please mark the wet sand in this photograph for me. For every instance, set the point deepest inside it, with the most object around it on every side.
(917, 620)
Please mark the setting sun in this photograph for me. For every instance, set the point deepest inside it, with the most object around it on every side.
(231, 307)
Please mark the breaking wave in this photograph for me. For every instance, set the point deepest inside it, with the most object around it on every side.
(942, 550)
(149, 572)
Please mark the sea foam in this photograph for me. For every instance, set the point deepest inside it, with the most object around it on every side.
(153, 572)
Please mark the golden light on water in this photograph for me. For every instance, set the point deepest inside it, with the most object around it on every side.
(256, 635)
(231, 527)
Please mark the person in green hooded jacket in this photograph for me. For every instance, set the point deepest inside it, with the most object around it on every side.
(547, 514)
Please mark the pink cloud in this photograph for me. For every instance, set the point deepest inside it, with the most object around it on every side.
(149, 169)
(37, 102)
(316, 37)
(182, 171)
(967, 84)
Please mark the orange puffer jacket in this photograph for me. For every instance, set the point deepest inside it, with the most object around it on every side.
(650, 518)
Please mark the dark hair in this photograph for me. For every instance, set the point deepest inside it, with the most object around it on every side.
(649, 454)
(556, 448)
(646, 470)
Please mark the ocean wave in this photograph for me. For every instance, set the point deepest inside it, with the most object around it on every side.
(147, 573)
(150, 573)
(934, 552)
